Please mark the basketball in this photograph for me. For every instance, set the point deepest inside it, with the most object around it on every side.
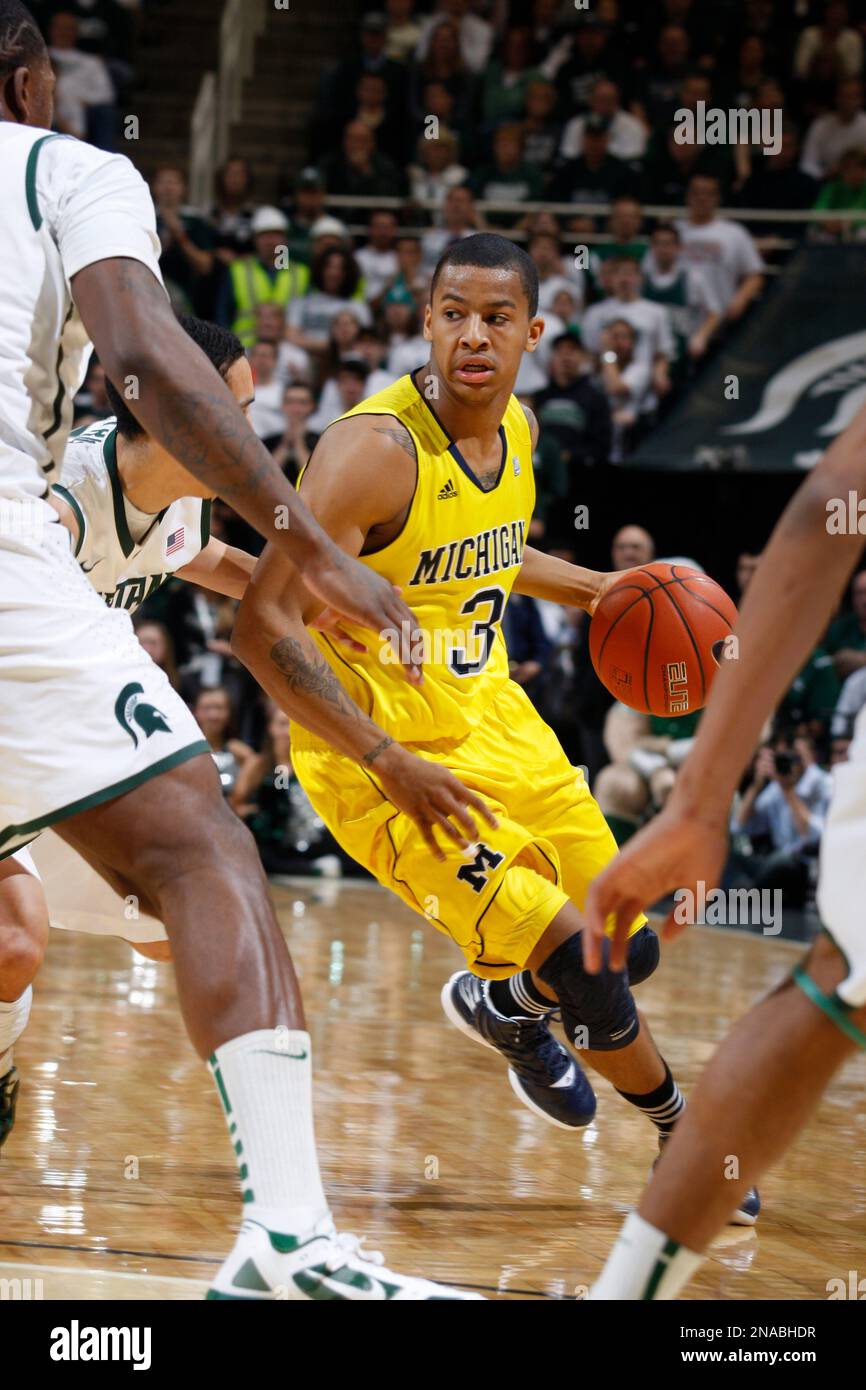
(656, 638)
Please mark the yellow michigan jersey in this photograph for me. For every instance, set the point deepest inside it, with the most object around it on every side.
(455, 560)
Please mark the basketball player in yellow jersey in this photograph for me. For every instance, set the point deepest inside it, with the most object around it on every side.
(454, 793)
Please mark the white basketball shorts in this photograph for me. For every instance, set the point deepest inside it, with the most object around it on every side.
(85, 715)
(842, 877)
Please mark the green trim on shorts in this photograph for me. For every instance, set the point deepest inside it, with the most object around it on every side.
(8, 853)
(128, 784)
(835, 1008)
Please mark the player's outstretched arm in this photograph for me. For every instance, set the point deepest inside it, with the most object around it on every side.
(546, 576)
(789, 602)
(358, 479)
(183, 403)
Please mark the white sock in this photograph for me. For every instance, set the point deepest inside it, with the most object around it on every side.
(645, 1264)
(13, 1021)
(264, 1080)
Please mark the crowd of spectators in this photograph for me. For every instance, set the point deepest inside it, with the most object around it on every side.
(447, 118)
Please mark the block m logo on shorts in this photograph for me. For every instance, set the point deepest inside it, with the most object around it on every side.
(477, 873)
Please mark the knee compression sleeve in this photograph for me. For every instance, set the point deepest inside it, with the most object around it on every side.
(598, 1011)
(643, 955)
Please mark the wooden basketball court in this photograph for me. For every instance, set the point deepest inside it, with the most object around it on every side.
(119, 1182)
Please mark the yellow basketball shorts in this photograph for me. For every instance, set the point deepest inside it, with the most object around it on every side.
(496, 899)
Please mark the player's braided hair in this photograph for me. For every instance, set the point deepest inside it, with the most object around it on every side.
(21, 42)
(219, 345)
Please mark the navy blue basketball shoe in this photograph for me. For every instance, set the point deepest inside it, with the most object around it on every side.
(542, 1074)
(8, 1097)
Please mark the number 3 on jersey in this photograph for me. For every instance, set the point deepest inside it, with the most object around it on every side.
(483, 631)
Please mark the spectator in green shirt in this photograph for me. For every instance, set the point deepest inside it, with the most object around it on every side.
(811, 698)
(845, 193)
(507, 79)
(507, 178)
(846, 637)
(627, 239)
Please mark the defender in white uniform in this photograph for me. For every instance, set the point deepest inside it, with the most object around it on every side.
(127, 553)
(92, 733)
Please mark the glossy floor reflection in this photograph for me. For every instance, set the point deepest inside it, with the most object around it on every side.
(119, 1182)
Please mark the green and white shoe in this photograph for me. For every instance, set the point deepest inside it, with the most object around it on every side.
(322, 1265)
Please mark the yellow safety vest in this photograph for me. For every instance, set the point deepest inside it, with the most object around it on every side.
(253, 286)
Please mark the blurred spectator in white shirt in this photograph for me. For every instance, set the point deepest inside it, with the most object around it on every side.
(334, 279)
(833, 43)
(683, 291)
(266, 412)
(351, 382)
(627, 383)
(651, 322)
(723, 249)
(829, 136)
(436, 169)
(407, 349)
(852, 698)
(476, 35)
(627, 136)
(292, 452)
(459, 219)
(293, 364)
(82, 78)
(404, 31)
(554, 273)
(374, 351)
(378, 257)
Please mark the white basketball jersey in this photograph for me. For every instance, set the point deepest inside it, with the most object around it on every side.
(123, 567)
(63, 206)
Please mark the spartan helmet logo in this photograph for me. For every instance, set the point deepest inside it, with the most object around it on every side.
(131, 709)
(835, 368)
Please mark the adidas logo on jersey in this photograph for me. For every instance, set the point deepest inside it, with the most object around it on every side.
(449, 490)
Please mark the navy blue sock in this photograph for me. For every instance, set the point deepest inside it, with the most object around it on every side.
(663, 1106)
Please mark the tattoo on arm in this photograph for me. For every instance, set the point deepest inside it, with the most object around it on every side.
(400, 435)
(311, 677)
(380, 747)
(532, 423)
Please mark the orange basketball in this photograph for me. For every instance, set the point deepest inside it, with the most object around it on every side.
(657, 636)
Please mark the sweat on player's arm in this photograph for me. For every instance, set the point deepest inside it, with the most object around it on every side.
(789, 602)
(183, 404)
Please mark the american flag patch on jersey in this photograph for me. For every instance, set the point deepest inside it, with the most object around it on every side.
(174, 541)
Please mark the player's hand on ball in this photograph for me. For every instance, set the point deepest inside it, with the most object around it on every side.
(607, 582)
(433, 797)
(676, 850)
